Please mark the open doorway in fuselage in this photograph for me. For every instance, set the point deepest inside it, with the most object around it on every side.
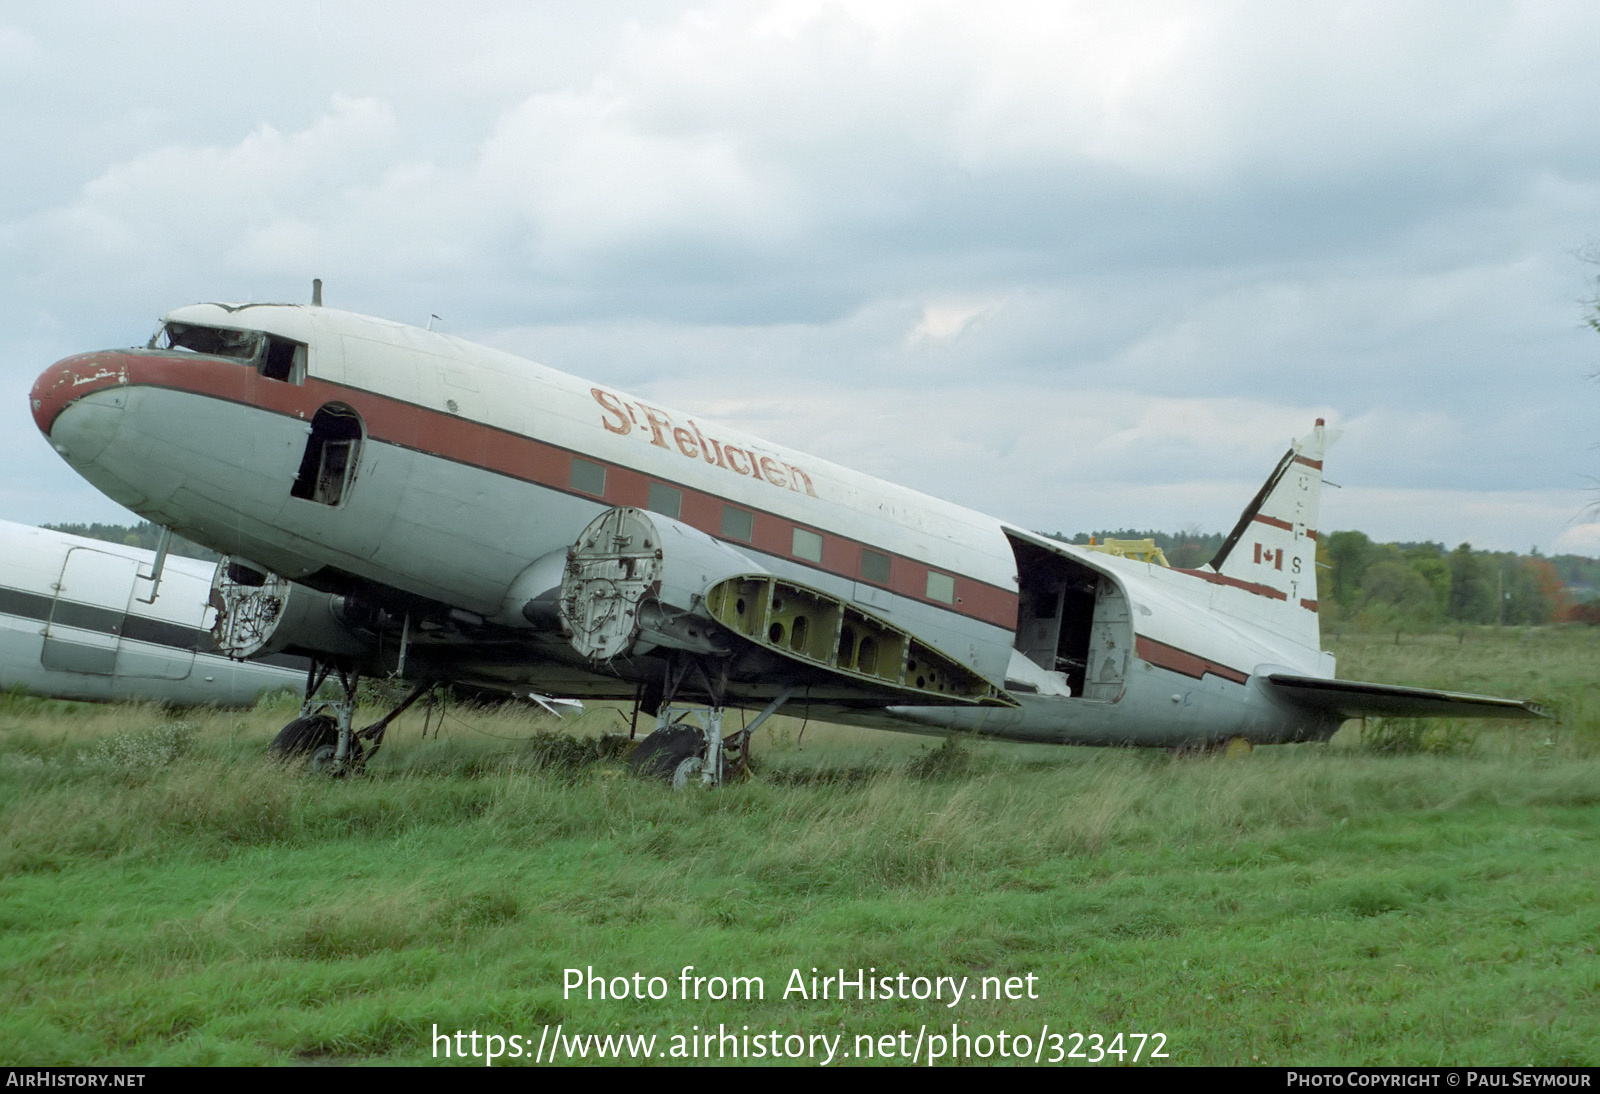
(1074, 621)
(333, 451)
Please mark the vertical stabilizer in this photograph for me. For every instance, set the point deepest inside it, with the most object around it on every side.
(1272, 551)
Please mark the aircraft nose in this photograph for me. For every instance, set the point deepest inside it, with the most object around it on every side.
(77, 403)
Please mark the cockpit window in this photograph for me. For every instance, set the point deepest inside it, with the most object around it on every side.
(246, 345)
(275, 358)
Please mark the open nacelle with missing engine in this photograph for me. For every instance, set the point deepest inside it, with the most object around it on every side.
(260, 613)
(635, 581)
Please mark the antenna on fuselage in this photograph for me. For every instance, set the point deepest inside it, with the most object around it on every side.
(432, 319)
(316, 292)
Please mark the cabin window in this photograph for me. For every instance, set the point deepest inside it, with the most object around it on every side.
(874, 566)
(941, 587)
(738, 523)
(588, 477)
(666, 500)
(807, 545)
(332, 452)
(274, 357)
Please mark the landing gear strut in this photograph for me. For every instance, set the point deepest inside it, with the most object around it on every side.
(679, 752)
(688, 747)
(327, 742)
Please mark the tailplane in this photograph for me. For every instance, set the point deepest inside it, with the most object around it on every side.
(1351, 699)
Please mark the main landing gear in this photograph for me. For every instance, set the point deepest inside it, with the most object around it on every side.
(687, 747)
(326, 742)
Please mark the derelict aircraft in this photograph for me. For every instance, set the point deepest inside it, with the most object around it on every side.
(85, 619)
(457, 513)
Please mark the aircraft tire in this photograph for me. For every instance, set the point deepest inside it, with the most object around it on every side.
(304, 736)
(314, 741)
(659, 754)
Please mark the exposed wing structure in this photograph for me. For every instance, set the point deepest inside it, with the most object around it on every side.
(824, 633)
(637, 581)
(1351, 699)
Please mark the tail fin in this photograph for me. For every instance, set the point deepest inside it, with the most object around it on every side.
(1273, 548)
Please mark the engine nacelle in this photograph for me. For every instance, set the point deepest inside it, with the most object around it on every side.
(261, 613)
(636, 580)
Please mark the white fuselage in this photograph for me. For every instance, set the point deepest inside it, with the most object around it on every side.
(74, 624)
(467, 466)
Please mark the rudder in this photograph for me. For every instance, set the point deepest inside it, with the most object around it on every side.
(1274, 544)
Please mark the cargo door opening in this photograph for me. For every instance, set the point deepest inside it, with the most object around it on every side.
(1073, 621)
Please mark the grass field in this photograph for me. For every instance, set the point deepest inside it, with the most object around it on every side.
(1403, 895)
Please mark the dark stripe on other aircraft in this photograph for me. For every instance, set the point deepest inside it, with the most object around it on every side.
(21, 604)
(92, 617)
(24, 604)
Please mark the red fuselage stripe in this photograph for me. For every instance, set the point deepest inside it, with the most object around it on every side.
(1183, 662)
(1237, 583)
(1285, 525)
(460, 440)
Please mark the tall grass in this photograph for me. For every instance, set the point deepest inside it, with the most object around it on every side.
(169, 896)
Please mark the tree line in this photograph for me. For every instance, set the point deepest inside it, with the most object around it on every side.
(1417, 585)
(1396, 585)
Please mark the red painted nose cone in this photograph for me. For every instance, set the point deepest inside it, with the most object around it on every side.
(72, 378)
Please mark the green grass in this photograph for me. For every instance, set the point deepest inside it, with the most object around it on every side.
(168, 897)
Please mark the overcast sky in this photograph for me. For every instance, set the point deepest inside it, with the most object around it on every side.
(1077, 265)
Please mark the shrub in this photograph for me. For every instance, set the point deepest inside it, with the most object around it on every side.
(156, 747)
(1411, 736)
(953, 757)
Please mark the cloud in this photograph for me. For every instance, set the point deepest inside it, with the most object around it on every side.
(20, 54)
(1580, 539)
(214, 211)
(593, 185)
(1029, 254)
(1503, 520)
(946, 319)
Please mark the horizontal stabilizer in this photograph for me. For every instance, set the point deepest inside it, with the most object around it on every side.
(1351, 699)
